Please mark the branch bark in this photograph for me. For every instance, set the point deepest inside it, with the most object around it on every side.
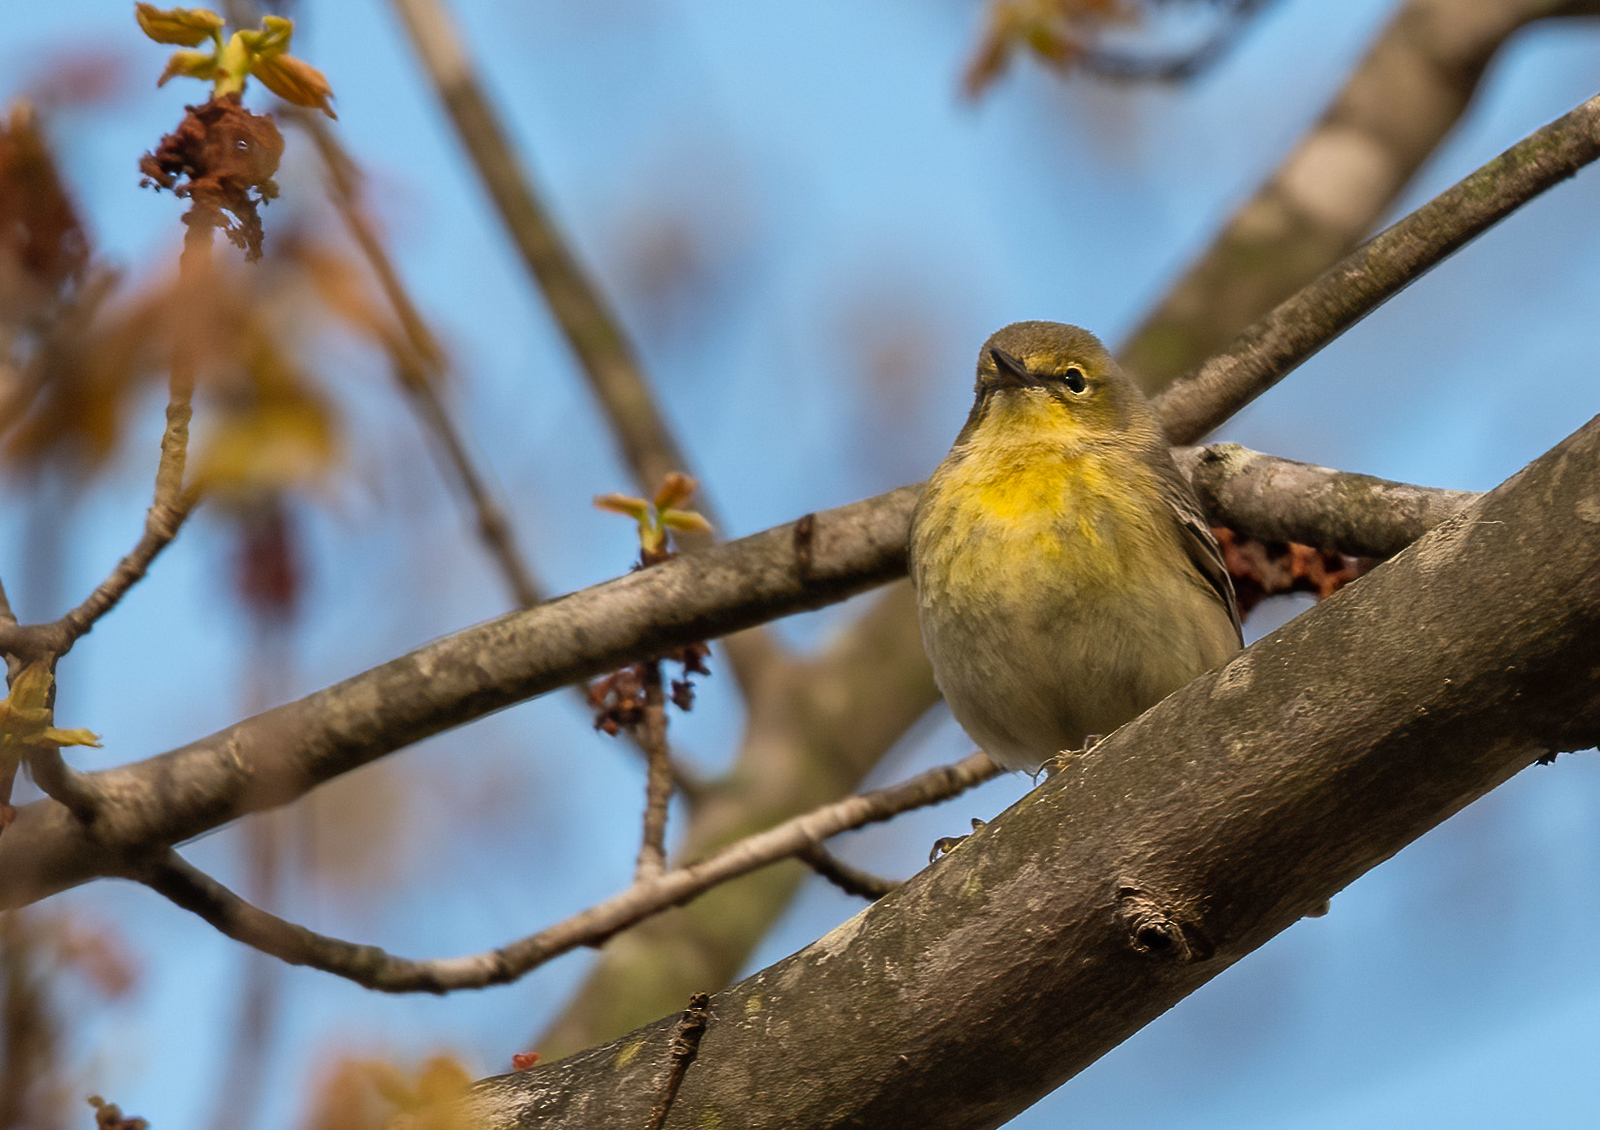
(1376, 271)
(1403, 99)
(1181, 843)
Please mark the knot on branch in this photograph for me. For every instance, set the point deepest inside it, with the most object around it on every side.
(1161, 928)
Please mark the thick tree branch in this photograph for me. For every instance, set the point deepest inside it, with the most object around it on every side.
(1372, 274)
(1402, 100)
(170, 875)
(272, 758)
(1180, 844)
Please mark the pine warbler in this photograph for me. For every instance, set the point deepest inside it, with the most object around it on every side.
(1066, 579)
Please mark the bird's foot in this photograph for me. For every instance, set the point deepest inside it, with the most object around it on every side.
(944, 845)
(1060, 761)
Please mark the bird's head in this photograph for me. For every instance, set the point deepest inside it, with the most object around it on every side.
(1049, 380)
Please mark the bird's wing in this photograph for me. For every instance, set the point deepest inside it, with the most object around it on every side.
(1202, 547)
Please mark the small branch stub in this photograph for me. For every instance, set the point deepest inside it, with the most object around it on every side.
(1160, 930)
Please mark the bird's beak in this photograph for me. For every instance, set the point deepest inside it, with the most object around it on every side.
(1008, 373)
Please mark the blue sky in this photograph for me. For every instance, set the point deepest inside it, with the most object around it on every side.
(832, 188)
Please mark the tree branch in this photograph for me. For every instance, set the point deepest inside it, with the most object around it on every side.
(1401, 101)
(685, 1045)
(279, 755)
(850, 879)
(1375, 272)
(161, 525)
(172, 876)
(591, 328)
(1280, 500)
(419, 365)
(1183, 842)
(172, 501)
(272, 758)
(652, 736)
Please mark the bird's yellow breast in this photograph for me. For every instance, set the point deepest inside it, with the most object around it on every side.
(1015, 510)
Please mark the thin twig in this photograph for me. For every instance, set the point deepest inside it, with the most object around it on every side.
(172, 876)
(681, 1052)
(652, 735)
(1376, 271)
(1127, 66)
(589, 325)
(847, 877)
(419, 365)
(6, 615)
(161, 525)
(172, 502)
(494, 528)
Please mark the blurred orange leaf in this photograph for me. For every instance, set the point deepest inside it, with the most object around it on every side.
(365, 1094)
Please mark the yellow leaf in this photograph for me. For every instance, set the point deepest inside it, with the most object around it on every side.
(26, 718)
(184, 27)
(689, 520)
(636, 508)
(190, 64)
(71, 737)
(294, 80)
(272, 39)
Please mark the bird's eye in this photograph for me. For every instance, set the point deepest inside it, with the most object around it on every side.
(1075, 379)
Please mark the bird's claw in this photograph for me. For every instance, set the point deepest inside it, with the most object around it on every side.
(944, 845)
(1060, 761)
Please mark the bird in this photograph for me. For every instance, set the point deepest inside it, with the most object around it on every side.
(1066, 579)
